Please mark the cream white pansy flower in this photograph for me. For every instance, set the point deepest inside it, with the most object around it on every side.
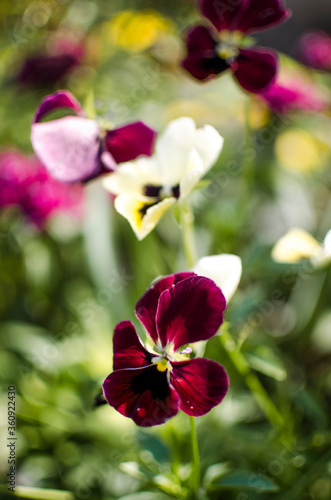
(224, 269)
(148, 186)
(298, 244)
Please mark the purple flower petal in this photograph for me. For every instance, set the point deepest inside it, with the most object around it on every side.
(261, 15)
(202, 60)
(128, 142)
(255, 69)
(129, 351)
(46, 69)
(142, 394)
(60, 99)
(200, 384)
(199, 40)
(146, 306)
(223, 14)
(190, 311)
(68, 148)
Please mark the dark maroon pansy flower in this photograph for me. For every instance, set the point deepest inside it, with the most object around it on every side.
(63, 52)
(76, 149)
(225, 46)
(315, 50)
(150, 387)
(46, 69)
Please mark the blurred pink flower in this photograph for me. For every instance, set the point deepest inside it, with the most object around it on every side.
(314, 50)
(295, 93)
(25, 183)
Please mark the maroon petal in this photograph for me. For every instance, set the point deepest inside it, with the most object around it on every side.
(202, 60)
(60, 99)
(262, 14)
(204, 68)
(189, 311)
(199, 40)
(200, 384)
(223, 14)
(142, 394)
(128, 142)
(46, 69)
(255, 69)
(146, 306)
(129, 351)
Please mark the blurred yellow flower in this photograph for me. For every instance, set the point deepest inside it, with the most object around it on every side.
(298, 151)
(137, 31)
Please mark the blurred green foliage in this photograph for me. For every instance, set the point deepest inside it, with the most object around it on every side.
(62, 290)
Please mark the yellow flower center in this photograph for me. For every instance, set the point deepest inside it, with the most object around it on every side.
(229, 43)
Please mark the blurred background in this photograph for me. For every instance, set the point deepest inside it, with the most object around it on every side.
(71, 268)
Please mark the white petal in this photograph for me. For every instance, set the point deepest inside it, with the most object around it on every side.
(173, 149)
(294, 246)
(142, 224)
(224, 269)
(209, 144)
(327, 242)
(195, 170)
(131, 177)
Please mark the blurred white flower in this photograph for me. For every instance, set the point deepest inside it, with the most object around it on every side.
(298, 244)
(148, 186)
(224, 269)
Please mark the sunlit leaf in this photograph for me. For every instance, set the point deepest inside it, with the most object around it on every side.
(42, 493)
(267, 362)
(214, 472)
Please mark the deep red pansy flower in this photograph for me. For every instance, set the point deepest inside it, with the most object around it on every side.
(212, 50)
(150, 387)
(76, 149)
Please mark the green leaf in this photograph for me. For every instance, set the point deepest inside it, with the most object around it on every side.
(267, 362)
(42, 493)
(246, 480)
(132, 469)
(170, 484)
(214, 472)
(89, 107)
(146, 495)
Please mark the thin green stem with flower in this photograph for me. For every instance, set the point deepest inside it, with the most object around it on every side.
(187, 225)
(195, 457)
(251, 380)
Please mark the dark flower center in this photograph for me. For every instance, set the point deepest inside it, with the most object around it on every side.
(151, 379)
(159, 192)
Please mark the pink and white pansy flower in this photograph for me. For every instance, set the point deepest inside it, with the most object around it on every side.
(150, 386)
(76, 149)
(148, 186)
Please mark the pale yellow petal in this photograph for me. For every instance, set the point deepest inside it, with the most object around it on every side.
(131, 177)
(294, 246)
(143, 216)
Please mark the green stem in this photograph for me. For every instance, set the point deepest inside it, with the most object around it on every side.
(248, 172)
(187, 225)
(252, 381)
(195, 458)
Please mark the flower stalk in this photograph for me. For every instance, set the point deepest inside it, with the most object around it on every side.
(187, 225)
(195, 458)
(252, 381)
